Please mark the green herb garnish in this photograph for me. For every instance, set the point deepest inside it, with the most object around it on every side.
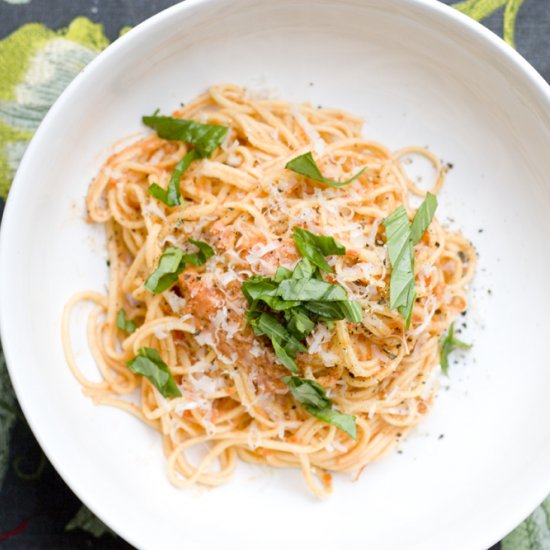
(316, 247)
(306, 166)
(299, 324)
(401, 237)
(447, 345)
(286, 346)
(198, 258)
(172, 195)
(337, 311)
(314, 399)
(307, 290)
(423, 217)
(149, 363)
(167, 272)
(173, 262)
(400, 249)
(205, 137)
(286, 309)
(124, 324)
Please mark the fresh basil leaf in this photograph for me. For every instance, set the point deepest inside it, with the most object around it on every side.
(310, 289)
(336, 311)
(172, 263)
(199, 258)
(314, 399)
(205, 137)
(285, 357)
(327, 245)
(172, 195)
(299, 323)
(278, 304)
(170, 266)
(316, 247)
(423, 217)
(353, 311)
(156, 191)
(398, 233)
(406, 310)
(307, 392)
(124, 324)
(282, 273)
(304, 270)
(256, 286)
(345, 422)
(447, 345)
(306, 166)
(285, 345)
(268, 325)
(264, 289)
(311, 252)
(149, 363)
(400, 239)
(400, 250)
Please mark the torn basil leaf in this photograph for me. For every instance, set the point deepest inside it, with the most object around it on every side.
(314, 399)
(336, 311)
(173, 262)
(172, 195)
(124, 324)
(167, 273)
(305, 166)
(448, 343)
(307, 392)
(345, 422)
(316, 247)
(401, 237)
(286, 346)
(149, 364)
(206, 138)
(299, 324)
(198, 258)
(307, 290)
(423, 217)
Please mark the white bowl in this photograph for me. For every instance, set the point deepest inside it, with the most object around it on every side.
(420, 73)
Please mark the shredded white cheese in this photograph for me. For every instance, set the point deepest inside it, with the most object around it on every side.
(430, 305)
(221, 322)
(160, 334)
(317, 142)
(152, 208)
(174, 301)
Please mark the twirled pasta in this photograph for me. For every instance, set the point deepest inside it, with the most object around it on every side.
(244, 203)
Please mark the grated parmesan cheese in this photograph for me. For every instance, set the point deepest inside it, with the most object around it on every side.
(253, 438)
(234, 160)
(181, 407)
(206, 338)
(256, 350)
(152, 208)
(221, 322)
(317, 142)
(174, 301)
(320, 335)
(159, 333)
(430, 305)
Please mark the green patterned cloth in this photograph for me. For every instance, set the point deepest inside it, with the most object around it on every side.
(36, 64)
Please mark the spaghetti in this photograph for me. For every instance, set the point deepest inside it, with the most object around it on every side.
(244, 204)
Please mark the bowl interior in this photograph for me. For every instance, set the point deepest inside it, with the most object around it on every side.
(419, 74)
